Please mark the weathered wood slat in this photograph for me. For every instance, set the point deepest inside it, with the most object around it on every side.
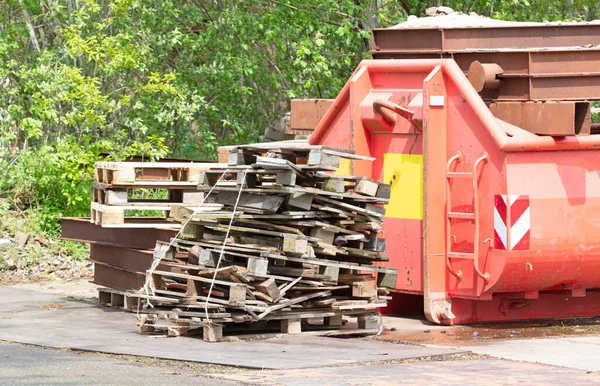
(250, 201)
(275, 190)
(349, 207)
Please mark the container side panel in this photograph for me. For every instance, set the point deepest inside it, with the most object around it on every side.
(402, 166)
(561, 231)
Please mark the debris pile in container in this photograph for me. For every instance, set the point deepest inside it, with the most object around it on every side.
(447, 17)
(278, 242)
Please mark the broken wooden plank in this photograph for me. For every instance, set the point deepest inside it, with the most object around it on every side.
(351, 208)
(267, 203)
(367, 186)
(293, 301)
(269, 287)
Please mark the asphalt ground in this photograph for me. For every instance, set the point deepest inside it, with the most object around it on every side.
(32, 365)
(410, 351)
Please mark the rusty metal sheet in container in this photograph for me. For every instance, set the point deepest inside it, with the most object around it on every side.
(548, 118)
(439, 40)
(538, 62)
(80, 229)
(116, 278)
(553, 74)
(306, 113)
(133, 260)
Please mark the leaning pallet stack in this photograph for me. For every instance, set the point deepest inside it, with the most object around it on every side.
(115, 182)
(149, 189)
(299, 249)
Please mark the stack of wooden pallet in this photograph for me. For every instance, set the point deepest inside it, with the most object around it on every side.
(146, 190)
(150, 187)
(279, 240)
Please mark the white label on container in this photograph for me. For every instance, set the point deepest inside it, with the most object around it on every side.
(436, 100)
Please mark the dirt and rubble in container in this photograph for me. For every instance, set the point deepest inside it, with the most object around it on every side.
(446, 17)
(494, 331)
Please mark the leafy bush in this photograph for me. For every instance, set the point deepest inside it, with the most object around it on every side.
(81, 78)
(58, 178)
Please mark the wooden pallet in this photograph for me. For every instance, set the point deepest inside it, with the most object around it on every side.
(241, 297)
(106, 195)
(301, 247)
(151, 174)
(185, 323)
(109, 215)
(300, 148)
(255, 260)
(326, 241)
(294, 155)
(118, 299)
(114, 215)
(253, 299)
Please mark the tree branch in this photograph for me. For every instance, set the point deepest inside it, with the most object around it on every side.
(405, 6)
(32, 37)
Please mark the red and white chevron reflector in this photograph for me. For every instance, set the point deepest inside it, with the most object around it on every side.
(517, 233)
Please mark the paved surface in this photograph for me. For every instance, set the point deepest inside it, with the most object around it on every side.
(460, 373)
(30, 365)
(50, 320)
(508, 341)
(41, 315)
(577, 353)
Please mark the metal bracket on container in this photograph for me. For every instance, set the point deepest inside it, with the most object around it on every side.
(389, 110)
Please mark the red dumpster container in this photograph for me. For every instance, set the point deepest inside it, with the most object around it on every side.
(487, 221)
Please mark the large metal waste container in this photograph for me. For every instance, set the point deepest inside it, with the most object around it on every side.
(489, 222)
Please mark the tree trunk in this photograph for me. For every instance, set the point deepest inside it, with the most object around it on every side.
(372, 21)
(569, 9)
(27, 19)
(70, 11)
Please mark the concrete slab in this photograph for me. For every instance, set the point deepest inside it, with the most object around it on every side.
(27, 316)
(574, 352)
(459, 373)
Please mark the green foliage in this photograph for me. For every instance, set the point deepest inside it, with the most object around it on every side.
(197, 74)
(81, 78)
(147, 194)
(58, 178)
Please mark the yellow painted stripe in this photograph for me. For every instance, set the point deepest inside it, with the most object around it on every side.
(345, 168)
(404, 172)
